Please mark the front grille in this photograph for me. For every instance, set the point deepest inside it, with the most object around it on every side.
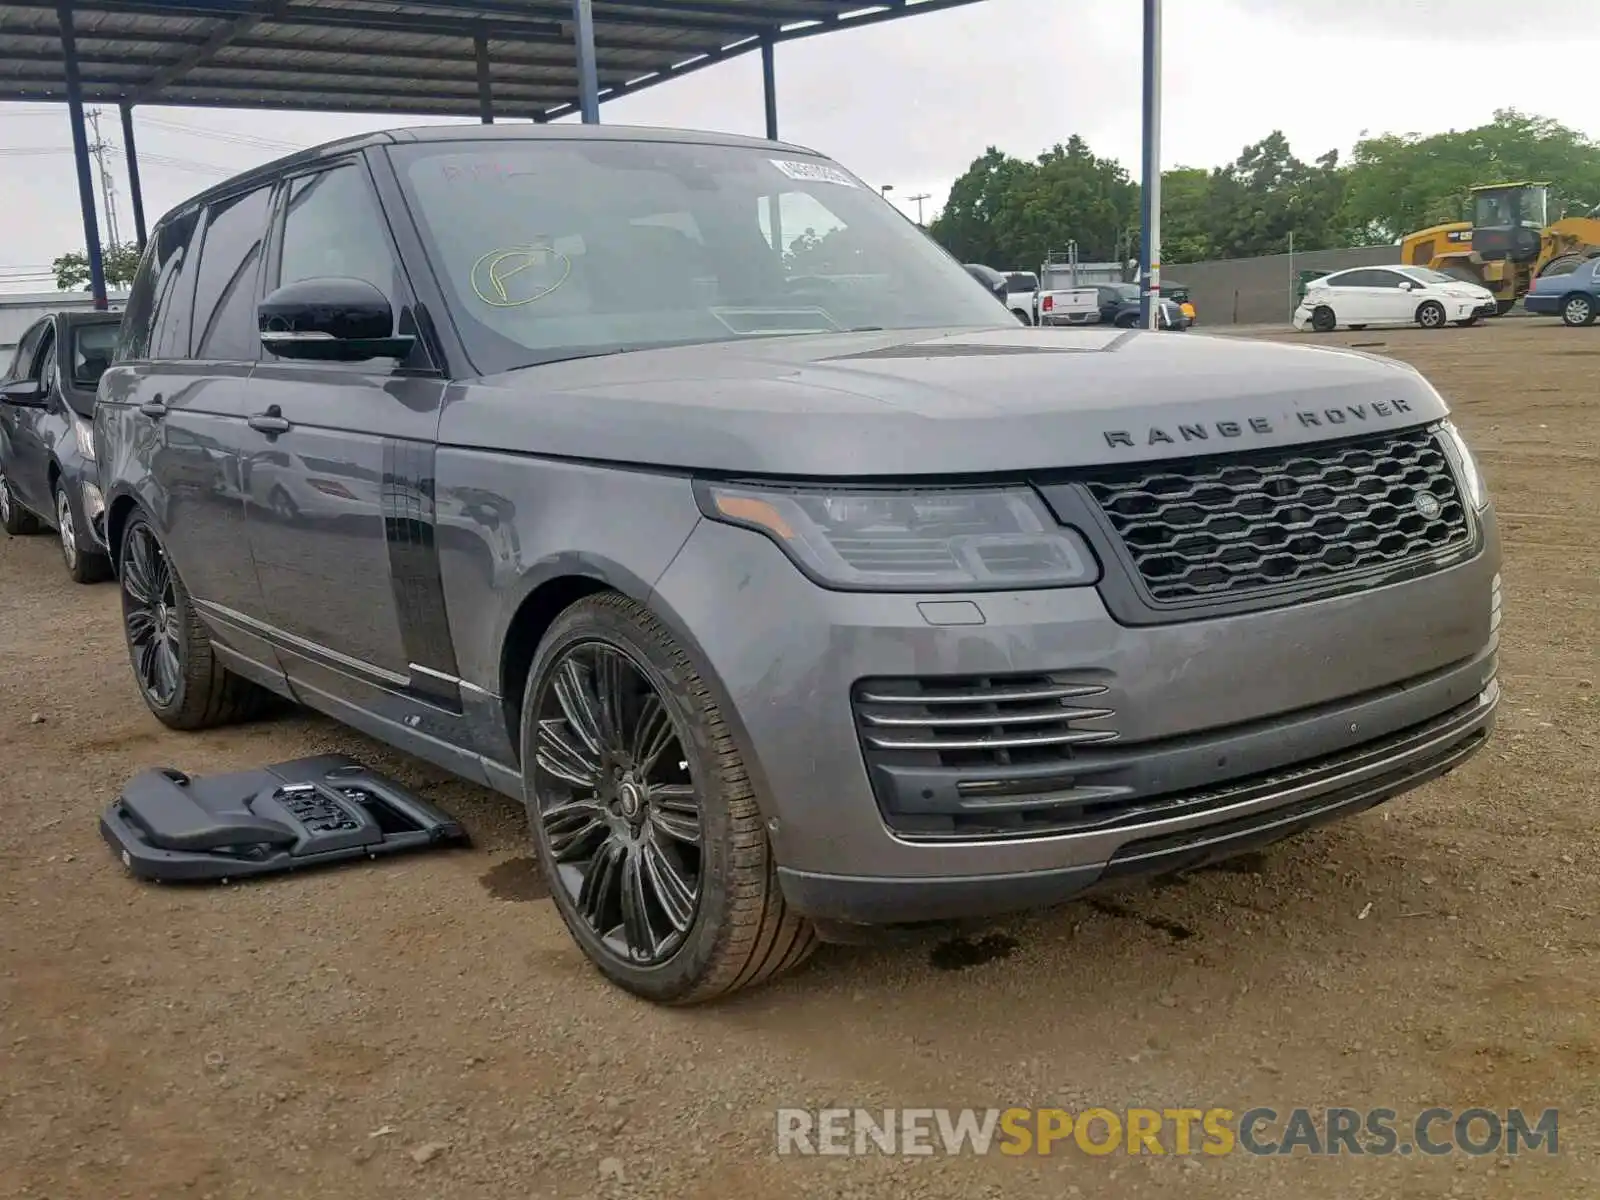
(1228, 528)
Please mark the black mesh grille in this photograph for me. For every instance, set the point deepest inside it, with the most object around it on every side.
(1224, 528)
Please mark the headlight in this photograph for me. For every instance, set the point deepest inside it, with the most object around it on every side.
(1471, 477)
(869, 539)
(84, 433)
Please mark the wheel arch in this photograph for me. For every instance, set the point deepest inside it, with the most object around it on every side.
(119, 507)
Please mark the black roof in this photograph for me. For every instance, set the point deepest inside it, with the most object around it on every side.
(370, 56)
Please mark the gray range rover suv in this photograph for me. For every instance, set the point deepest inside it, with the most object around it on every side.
(677, 486)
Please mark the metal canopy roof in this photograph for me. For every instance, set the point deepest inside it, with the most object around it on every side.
(372, 57)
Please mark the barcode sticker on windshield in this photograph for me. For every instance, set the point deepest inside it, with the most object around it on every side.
(813, 172)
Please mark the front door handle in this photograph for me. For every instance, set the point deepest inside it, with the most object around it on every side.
(272, 422)
(154, 408)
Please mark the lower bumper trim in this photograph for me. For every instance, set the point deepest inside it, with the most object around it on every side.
(859, 900)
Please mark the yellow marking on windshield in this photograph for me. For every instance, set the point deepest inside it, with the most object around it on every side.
(491, 271)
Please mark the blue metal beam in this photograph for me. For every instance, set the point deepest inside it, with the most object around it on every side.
(1150, 187)
(769, 87)
(588, 73)
(130, 152)
(698, 62)
(80, 155)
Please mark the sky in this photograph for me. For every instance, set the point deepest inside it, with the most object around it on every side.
(911, 103)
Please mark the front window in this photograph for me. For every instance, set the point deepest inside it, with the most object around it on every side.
(567, 247)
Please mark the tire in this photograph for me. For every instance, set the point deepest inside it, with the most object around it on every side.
(83, 565)
(14, 519)
(732, 928)
(1577, 310)
(1502, 307)
(178, 674)
(1562, 264)
(1431, 315)
(1323, 319)
(1022, 316)
(283, 506)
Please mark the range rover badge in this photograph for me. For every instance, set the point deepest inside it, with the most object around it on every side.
(1427, 504)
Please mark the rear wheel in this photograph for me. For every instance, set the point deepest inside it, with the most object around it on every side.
(1323, 320)
(83, 563)
(1577, 309)
(1431, 315)
(178, 674)
(643, 816)
(13, 517)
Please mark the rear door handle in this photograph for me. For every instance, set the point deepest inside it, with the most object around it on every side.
(154, 408)
(272, 422)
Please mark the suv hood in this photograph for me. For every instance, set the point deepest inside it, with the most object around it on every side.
(938, 402)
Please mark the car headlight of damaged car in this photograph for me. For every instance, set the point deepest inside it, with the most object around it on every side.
(1471, 477)
(912, 540)
(83, 434)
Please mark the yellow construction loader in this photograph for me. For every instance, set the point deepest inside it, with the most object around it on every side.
(1509, 242)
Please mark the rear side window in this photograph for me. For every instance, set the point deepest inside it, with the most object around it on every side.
(155, 322)
(225, 283)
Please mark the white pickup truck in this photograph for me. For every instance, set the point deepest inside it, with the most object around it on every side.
(1068, 306)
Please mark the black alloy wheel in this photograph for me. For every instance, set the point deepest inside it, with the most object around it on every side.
(618, 807)
(178, 672)
(150, 616)
(1323, 319)
(644, 819)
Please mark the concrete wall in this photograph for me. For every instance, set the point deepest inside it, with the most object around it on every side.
(1261, 291)
(18, 310)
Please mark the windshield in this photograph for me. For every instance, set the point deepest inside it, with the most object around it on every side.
(566, 247)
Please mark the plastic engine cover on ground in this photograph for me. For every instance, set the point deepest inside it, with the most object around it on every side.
(310, 812)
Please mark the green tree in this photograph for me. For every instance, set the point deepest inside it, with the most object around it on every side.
(121, 264)
(1185, 206)
(1398, 183)
(969, 225)
(1255, 202)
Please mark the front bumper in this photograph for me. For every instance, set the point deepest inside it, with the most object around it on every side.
(1236, 729)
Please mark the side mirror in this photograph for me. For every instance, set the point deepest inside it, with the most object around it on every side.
(23, 393)
(330, 320)
(1406, 286)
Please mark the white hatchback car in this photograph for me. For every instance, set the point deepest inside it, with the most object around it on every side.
(1398, 295)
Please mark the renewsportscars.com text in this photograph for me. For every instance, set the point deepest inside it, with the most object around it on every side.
(1211, 1131)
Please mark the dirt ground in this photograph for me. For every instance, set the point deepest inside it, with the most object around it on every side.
(319, 1035)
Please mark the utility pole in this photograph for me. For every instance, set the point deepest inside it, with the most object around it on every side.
(99, 149)
(1150, 189)
(919, 198)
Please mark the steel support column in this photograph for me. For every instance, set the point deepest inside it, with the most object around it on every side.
(588, 72)
(135, 189)
(480, 45)
(1150, 188)
(80, 156)
(769, 87)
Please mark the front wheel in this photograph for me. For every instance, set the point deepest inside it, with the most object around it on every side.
(643, 815)
(83, 564)
(1577, 310)
(1431, 315)
(1323, 320)
(178, 674)
(14, 519)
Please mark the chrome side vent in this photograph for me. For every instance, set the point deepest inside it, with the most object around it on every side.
(979, 720)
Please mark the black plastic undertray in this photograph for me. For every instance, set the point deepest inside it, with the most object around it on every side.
(310, 812)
